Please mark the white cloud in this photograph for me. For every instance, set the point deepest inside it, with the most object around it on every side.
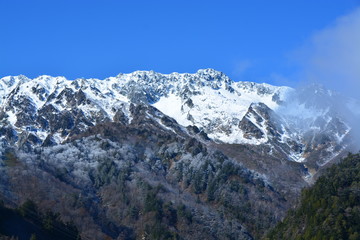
(332, 56)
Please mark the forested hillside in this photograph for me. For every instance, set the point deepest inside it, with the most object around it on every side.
(328, 210)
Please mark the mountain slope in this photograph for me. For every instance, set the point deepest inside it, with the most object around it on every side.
(141, 179)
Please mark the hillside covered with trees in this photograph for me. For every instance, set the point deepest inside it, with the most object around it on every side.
(328, 210)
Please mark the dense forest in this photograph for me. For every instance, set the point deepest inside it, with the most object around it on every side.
(329, 210)
(27, 222)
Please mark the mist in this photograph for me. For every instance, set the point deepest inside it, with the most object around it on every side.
(331, 58)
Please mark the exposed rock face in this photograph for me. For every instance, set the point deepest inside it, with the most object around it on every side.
(250, 129)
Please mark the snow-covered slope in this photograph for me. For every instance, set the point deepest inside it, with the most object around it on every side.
(219, 105)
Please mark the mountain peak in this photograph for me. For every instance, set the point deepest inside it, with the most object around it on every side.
(209, 71)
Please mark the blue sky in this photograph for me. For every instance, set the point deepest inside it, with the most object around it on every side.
(247, 40)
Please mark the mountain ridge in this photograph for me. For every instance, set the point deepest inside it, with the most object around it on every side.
(207, 99)
(170, 147)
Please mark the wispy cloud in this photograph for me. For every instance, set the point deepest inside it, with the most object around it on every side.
(332, 56)
(280, 80)
(241, 67)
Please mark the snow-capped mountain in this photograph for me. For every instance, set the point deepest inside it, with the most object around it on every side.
(48, 110)
(178, 152)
